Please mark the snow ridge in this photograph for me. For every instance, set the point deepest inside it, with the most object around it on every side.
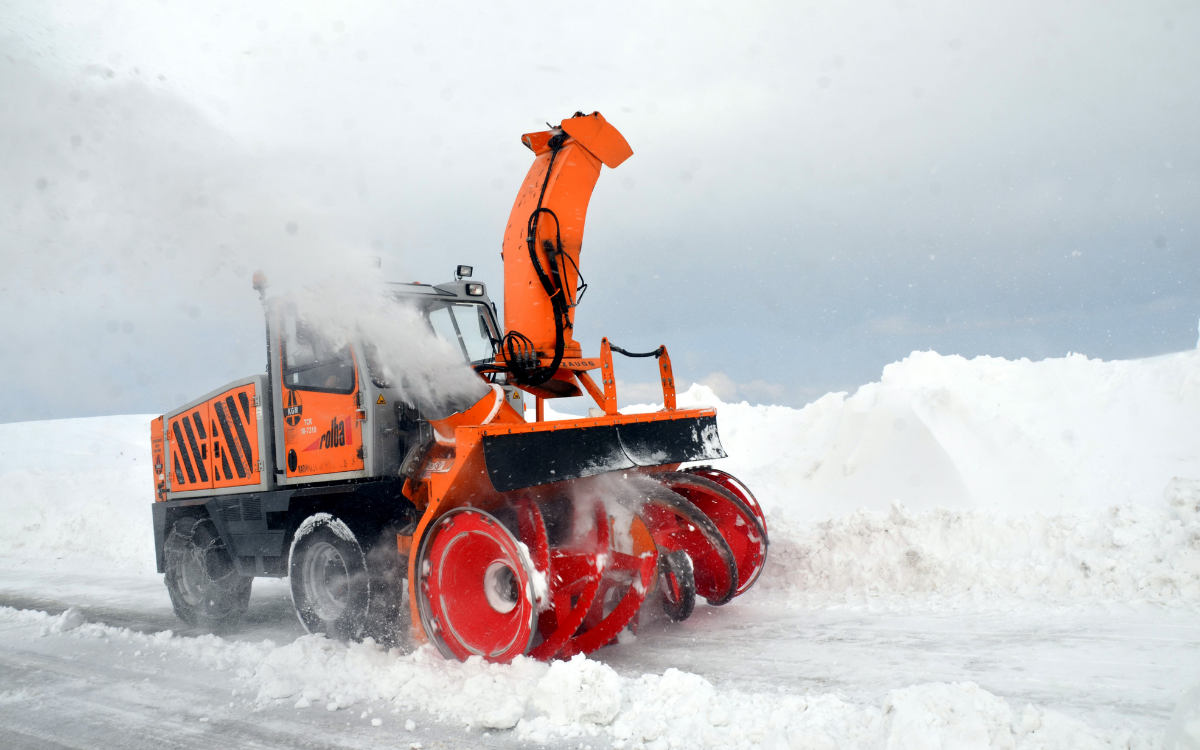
(1128, 554)
(582, 698)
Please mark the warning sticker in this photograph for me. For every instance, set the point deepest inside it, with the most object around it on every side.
(380, 400)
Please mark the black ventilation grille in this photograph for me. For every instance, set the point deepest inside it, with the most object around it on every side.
(252, 509)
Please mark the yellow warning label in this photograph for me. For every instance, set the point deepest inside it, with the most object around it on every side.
(380, 400)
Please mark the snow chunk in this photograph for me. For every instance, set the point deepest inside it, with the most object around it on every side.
(946, 715)
(68, 620)
(1183, 731)
(579, 691)
(1183, 495)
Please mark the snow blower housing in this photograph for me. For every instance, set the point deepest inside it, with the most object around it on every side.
(505, 537)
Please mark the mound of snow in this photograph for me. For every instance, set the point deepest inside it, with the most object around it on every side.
(78, 488)
(1130, 553)
(942, 431)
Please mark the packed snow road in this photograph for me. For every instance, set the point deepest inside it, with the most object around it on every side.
(1112, 668)
(937, 614)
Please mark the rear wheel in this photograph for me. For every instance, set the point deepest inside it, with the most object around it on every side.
(206, 590)
(328, 574)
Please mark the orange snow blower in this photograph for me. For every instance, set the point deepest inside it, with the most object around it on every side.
(541, 538)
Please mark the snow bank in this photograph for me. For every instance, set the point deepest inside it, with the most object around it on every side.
(1068, 479)
(1129, 553)
(78, 488)
(942, 431)
(581, 698)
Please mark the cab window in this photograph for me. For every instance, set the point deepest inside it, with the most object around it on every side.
(468, 326)
(312, 360)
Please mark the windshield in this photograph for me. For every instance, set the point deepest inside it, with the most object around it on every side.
(469, 326)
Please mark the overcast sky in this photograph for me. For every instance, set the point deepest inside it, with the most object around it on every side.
(817, 189)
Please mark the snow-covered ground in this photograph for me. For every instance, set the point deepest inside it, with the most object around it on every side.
(969, 553)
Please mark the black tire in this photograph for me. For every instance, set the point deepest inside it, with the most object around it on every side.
(676, 584)
(206, 590)
(327, 570)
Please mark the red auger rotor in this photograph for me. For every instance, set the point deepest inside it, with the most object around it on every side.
(496, 586)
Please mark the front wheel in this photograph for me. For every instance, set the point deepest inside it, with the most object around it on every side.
(206, 590)
(328, 574)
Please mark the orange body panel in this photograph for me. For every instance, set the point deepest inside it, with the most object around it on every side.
(568, 189)
(187, 443)
(158, 459)
(233, 430)
(322, 434)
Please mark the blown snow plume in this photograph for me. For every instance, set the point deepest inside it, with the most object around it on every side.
(129, 219)
(401, 347)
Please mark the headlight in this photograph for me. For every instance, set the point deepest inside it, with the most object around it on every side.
(475, 290)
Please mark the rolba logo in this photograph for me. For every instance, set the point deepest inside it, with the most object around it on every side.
(336, 436)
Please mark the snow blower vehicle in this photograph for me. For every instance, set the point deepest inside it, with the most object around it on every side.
(504, 536)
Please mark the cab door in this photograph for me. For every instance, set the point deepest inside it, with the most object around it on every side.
(188, 438)
(319, 395)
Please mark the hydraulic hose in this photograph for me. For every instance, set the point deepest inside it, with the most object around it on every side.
(518, 348)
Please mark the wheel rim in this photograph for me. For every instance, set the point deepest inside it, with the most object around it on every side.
(192, 577)
(475, 596)
(326, 581)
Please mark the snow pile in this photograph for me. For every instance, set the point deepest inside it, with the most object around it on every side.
(962, 715)
(579, 690)
(68, 620)
(1129, 553)
(78, 488)
(942, 431)
(581, 698)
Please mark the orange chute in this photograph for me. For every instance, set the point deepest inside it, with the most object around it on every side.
(572, 155)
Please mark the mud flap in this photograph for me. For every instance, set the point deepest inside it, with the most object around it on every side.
(515, 461)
